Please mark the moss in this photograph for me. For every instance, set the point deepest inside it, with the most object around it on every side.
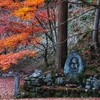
(46, 93)
(59, 93)
(31, 95)
(39, 92)
(27, 88)
(23, 95)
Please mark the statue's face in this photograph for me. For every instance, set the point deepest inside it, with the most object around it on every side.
(74, 60)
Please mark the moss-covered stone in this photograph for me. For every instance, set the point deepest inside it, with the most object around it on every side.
(39, 92)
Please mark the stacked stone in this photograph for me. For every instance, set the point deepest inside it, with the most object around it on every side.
(39, 79)
(93, 82)
(34, 79)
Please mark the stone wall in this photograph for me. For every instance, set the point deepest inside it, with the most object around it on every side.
(55, 85)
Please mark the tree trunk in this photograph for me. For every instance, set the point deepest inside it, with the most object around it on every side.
(96, 26)
(61, 50)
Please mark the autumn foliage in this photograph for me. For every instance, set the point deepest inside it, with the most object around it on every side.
(15, 31)
(7, 59)
(25, 9)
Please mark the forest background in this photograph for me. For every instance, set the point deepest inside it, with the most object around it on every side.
(40, 33)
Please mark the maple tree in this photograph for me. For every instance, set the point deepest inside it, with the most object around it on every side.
(7, 59)
(15, 31)
(24, 9)
(23, 21)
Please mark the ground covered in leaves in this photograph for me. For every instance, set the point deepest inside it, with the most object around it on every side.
(7, 88)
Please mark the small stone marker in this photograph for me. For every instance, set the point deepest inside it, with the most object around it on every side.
(73, 65)
(16, 84)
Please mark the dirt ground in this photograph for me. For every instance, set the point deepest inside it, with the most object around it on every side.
(7, 91)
